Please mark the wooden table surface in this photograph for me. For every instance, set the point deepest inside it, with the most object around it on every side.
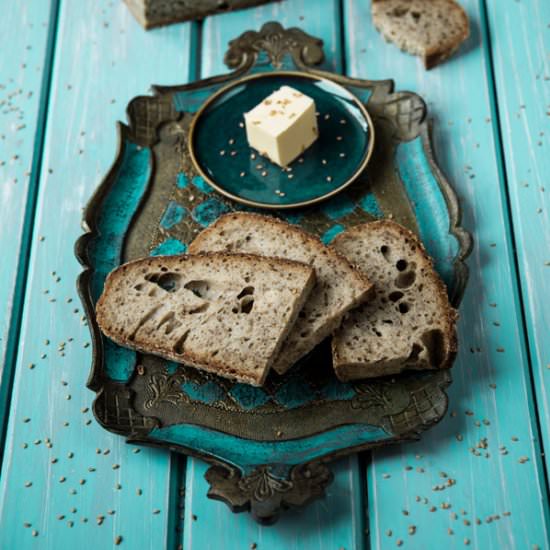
(67, 70)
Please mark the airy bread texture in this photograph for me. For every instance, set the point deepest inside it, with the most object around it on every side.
(339, 286)
(409, 324)
(430, 29)
(224, 313)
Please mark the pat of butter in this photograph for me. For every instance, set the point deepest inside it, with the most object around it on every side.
(282, 126)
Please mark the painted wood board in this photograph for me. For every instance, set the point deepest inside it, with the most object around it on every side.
(24, 75)
(520, 45)
(482, 463)
(62, 474)
(337, 521)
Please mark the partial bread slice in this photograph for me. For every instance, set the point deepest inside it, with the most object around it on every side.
(224, 313)
(432, 29)
(409, 324)
(339, 286)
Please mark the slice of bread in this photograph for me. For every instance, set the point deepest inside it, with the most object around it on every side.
(224, 313)
(432, 30)
(339, 286)
(409, 324)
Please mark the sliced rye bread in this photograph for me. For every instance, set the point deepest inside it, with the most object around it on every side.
(409, 324)
(432, 30)
(339, 288)
(224, 313)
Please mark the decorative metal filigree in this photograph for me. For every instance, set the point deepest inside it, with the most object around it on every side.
(165, 388)
(276, 42)
(263, 493)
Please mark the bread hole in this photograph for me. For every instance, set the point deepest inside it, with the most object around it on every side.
(304, 334)
(398, 11)
(401, 265)
(405, 280)
(246, 278)
(416, 16)
(214, 353)
(377, 332)
(247, 291)
(434, 341)
(247, 303)
(152, 292)
(387, 321)
(198, 287)
(199, 309)
(385, 250)
(170, 282)
(139, 287)
(403, 307)
(415, 353)
(180, 343)
(164, 269)
(395, 296)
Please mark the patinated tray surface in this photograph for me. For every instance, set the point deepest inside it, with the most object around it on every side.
(269, 446)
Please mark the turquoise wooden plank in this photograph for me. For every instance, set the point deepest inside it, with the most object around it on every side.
(477, 478)
(520, 45)
(65, 479)
(24, 75)
(338, 521)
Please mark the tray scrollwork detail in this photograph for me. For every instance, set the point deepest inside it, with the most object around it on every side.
(269, 447)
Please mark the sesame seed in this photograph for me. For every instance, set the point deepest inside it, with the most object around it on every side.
(222, 152)
(339, 138)
(399, 542)
(233, 153)
(412, 529)
(28, 483)
(290, 176)
(342, 155)
(241, 125)
(253, 156)
(389, 532)
(324, 161)
(118, 540)
(329, 179)
(326, 117)
(35, 533)
(231, 141)
(523, 459)
(466, 542)
(264, 173)
(242, 174)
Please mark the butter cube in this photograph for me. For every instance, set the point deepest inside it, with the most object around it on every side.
(282, 126)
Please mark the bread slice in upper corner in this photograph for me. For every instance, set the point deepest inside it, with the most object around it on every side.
(430, 29)
(224, 313)
(339, 288)
(409, 324)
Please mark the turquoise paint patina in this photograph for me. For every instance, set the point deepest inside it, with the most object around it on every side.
(173, 215)
(338, 391)
(429, 206)
(294, 393)
(181, 180)
(246, 453)
(207, 393)
(171, 367)
(209, 211)
(370, 205)
(169, 247)
(224, 155)
(249, 397)
(331, 233)
(292, 217)
(338, 207)
(201, 185)
(105, 249)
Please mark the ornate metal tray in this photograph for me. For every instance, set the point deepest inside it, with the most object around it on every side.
(269, 447)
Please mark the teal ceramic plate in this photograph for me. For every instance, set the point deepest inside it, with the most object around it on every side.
(220, 151)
